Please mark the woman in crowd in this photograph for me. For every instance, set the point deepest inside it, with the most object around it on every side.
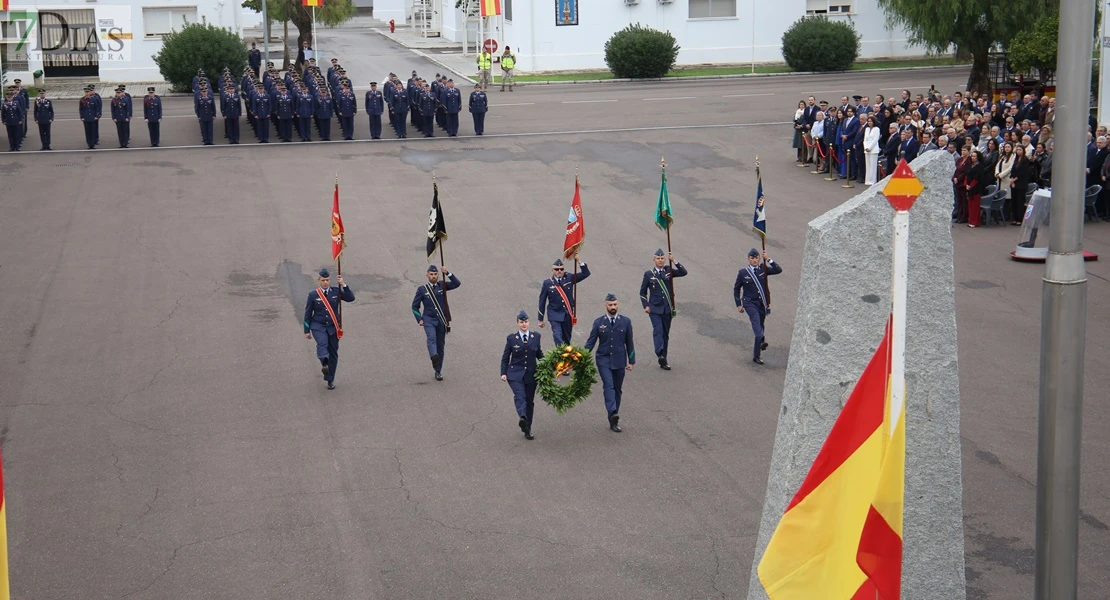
(1002, 170)
(1045, 172)
(1021, 175)
(871, 150)
(990, 157)
(959, 184)
(1037, 159)
(799, 129)
(975, 186)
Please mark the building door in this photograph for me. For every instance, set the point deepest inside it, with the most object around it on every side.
(69, 41)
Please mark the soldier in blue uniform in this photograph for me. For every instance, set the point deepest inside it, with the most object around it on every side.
(427, 111)
(283, 108)
(657, 296)
(518, 368)
(121, 116)
(152, 114)
(321, 322)
(441, 99)
(375, 106)
(260, 104)
(323, 112)
(13, 117)
(346, 108)
(232, 109)
(24, 100)
(400, 104)
(452, 104)
(44, 116)
(254, 57)
(305, 109)
(99, 102)
(479, 106)
(205, 108)
(751, 296)
(89, 109)
(429, 306)
(557, 301)
(612, 334)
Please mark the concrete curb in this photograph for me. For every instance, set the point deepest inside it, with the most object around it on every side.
(738, 76)
(420, 52)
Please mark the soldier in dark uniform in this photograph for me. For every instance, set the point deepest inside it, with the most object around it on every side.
(429, 306)
(89, 109)
(518, 368)
(44, 116)
(121, 116)
(99, 102)
(254, 57)
(612, 334)
(440, 93)
(152, 114)
(25, 101)
(323, 112)
(427, 111)
(751, 295)
(283, 108)
(13, 117)
(479, 106)
(657, 296)
(260, 104)
(452, 105)
(205, 108)
(400, 105)
(305, 109)
(375, 106)
(557, 301)
(232, 109)
(321, 322)
(346, 107)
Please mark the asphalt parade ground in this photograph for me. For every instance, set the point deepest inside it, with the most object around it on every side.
(167, 435)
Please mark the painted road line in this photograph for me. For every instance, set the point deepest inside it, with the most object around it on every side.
(674, 98)
(514, 104)
(747, 95)
(585, 101)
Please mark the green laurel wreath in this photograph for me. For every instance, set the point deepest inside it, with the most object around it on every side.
(583, 374)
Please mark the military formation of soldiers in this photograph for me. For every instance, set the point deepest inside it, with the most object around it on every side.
(610, 338)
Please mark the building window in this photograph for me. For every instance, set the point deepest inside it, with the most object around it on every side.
(701, 9)
(507, 5)
(828, 7)
(162, 20)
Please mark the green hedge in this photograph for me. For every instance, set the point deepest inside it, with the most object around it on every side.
(818, 44)
(638, 52)
(199, 46)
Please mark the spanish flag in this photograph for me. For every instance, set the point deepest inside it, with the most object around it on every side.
(312, 2)
(3, 4)
(491, 8)
(4, 588)
(338, 234)
(841, 535)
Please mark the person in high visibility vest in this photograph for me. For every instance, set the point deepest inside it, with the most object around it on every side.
(485, 61)
(508, 62)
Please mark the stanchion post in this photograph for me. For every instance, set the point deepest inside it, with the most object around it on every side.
(848, 169)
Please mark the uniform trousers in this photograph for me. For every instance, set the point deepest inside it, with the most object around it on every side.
(285, 129)
(436, 336)
(479, 123)
(347, 124)
(13, 137)
(44, 135)
(756, 314)
(324, 126)
(206, 132)
(375, 127)
(661, 332)
(561, 331)
(524, 396)
(612, 380)
(263, 130)
(401, 131)
(92, 132)
(231, 129)
(452, 123)
(305, 128)
(155, 129)
(429, 128)
(123, 132)
(327, 350)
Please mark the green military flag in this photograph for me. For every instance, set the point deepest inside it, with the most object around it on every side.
(663, 216)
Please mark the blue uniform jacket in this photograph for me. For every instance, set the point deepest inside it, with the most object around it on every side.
(305, 106)
(89, 109)
(11, 112)
(427, 104)
(260, 106)
(424, 308)
(746, 289)
(316, 315)
(551, 301)
(283, 106)
(323, 106)
(346, 104)
(231, 108)
(614, 342)
(121, 109)
(205, 108)
(478, 102)
(652, 288)
(452, 100)
(375, 103)
(44, 111)
(152, 108)
(518, 361)
(400, 104)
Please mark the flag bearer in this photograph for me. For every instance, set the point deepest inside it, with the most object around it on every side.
(321, 322)
(557, 300)
(429, 306)
(750, 294)
(657, 296)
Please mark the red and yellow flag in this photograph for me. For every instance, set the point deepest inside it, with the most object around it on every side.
(491, 8)
(312, 2)
(576, 224)
(3, 4)
(338, 234)
(841, 535)
(4, 588)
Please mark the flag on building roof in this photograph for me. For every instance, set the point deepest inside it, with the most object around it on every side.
(491, 7)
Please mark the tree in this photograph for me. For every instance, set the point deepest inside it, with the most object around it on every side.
(972, 26)
(1035, 48)
(638, 52)
(199, 46)
(331, 14)
(820, 44)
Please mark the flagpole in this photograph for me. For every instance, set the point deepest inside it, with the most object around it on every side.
(674, 302)
(898, 293)
(763, 239)
(315, 42)
(574, 282)
(338, 259)
(442, 280)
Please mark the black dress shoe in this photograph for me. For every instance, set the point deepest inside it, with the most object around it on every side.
(763, 346)
(331, 386)
(523, 423)
(435, 362)
(663, 363)
(614, 419)
(324, 369)
(615, 428)
(757, 360)
(438, 376)
(528, 436)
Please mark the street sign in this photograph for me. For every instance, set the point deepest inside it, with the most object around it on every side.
(903, 188)
(490, 46)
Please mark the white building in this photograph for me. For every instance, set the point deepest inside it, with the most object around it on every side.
(553, 35)
(109, 41)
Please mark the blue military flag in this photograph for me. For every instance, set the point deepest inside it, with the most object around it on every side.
(759, 221)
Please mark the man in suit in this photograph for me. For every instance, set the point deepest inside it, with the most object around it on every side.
(429, 306)
(750, 295)
(850, 131)
(909, 146)
(518, 368)
(323, 323)
(657, 296)
(558, 302)
(612, 334)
